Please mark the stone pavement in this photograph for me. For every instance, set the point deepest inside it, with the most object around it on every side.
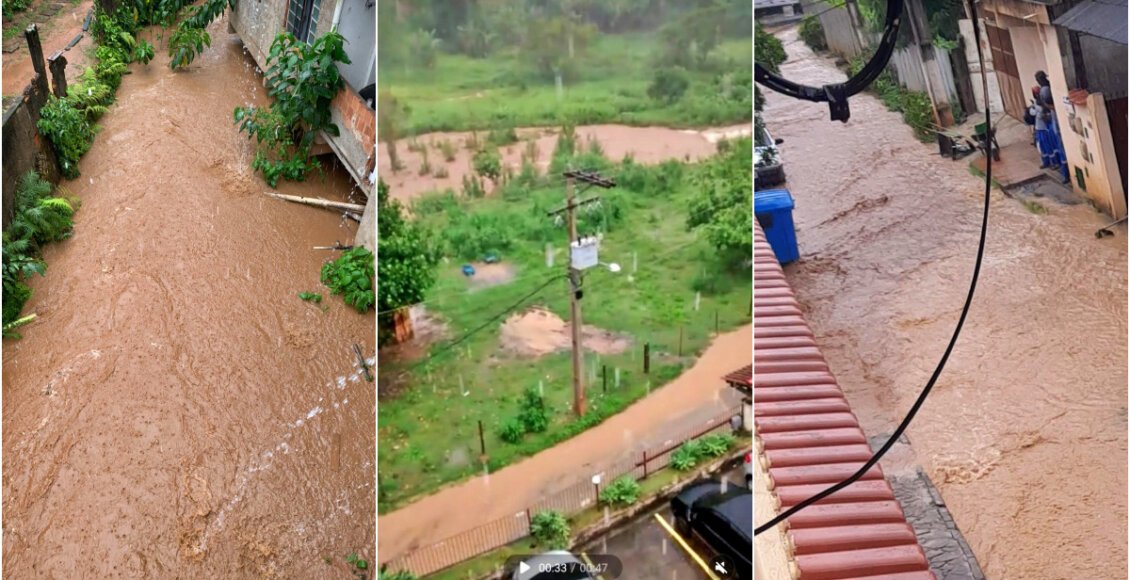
(949, 555)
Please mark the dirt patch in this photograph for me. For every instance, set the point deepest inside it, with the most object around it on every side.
(439, 161)
(539, 332)
(427, 329)
(239, 184)
(489, 275)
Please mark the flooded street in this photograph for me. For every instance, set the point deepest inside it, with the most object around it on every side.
(175, 410)
(1025, 432)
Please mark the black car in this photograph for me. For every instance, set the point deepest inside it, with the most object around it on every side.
(721, 518)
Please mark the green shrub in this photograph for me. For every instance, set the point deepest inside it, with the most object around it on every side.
(715, 445)
(488, 164)
(550, 530)
(351, 275)
(398, 575)
(512, 430)
(502, 137)
(533, 415)
(767, 49)
(692, 452)
(624, 491)
(812, 32)
(69, 132)
(669, 85)
(473, 187)
(285, 132)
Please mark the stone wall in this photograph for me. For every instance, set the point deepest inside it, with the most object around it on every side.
(24, 149)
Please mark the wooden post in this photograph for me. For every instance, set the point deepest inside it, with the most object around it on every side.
(715, 321)
(35, 49)
(646, 358)
(604, 377)
(529, 520)
(645, 463)
(482, 440)
(58, 65)
(680, 340)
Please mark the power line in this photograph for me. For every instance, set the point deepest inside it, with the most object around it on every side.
(956, 331)
(482, 326)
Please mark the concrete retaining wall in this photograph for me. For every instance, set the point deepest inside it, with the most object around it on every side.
(24, 149)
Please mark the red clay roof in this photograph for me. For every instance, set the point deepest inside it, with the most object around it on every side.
(809, 439)
(742, 377)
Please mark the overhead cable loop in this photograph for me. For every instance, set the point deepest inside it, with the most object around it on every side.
(837, 94)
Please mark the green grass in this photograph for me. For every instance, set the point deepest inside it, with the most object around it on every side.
(431, 416)
(462, 93)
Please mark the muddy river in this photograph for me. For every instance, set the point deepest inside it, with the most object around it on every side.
(437, 161)
(1025, 433)
(176, 410)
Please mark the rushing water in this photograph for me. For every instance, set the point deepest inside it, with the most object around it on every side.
(176, 410)
(1025, 432)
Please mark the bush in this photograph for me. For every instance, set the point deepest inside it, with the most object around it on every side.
(533, 415)
(812, 32)
(488, 164)
(692, 452)
(669, 85)
(768, 50)
(351, 275)
(550, 530)
(622, 492)
(511, 430)
(69, 131)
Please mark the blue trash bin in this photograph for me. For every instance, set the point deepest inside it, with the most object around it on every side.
(774, 211)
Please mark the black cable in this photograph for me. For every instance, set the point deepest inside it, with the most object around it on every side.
(837, 94)
(960, 321)
(482, 326)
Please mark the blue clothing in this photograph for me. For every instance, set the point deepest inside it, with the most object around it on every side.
(1051, 151)
(1046, 99)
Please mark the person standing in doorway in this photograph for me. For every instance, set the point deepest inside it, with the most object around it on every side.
(1048, 135)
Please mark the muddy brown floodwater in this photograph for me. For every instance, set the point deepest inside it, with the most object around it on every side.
(446, 169)
(176, 411)
(1025, 432)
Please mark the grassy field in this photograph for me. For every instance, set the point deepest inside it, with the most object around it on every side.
(429, 426)
(462, 93)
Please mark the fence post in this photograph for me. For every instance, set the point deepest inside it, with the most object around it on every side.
(604, 377)
(715, 321)
(35, 49)
(680, 340)
(58, 65)
(482, 440)
(645, 463)
(646, 358)
(529, 521)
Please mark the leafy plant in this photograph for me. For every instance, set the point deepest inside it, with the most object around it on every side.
(398, 575)
(190, 38)
(812, 32)
(685, 457)
(767, 49)
(407, 264)
(623, 492)
(310, 296)
(69, 131)
(488, 164)
(512, 430)
(669, 85)
(360, 563)
(550, 529)
(351, 275)
(715, 445)
(533, 415)
(303, 79)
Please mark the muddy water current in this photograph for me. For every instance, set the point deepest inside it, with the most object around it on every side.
(1025, 432)
(176, 411)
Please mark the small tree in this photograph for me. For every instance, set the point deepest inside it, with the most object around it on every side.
(408, 257)
(768, 50)
(488, 164)
(722, 210)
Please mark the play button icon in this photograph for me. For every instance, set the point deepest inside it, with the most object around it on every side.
(523, 567)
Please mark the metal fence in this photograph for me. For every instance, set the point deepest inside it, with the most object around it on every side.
(568, 501)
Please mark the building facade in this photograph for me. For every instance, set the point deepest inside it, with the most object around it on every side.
(258, 22)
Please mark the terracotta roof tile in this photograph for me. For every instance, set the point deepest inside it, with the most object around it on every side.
(808, 438)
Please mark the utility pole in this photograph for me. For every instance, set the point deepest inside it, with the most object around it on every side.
(575, 294)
